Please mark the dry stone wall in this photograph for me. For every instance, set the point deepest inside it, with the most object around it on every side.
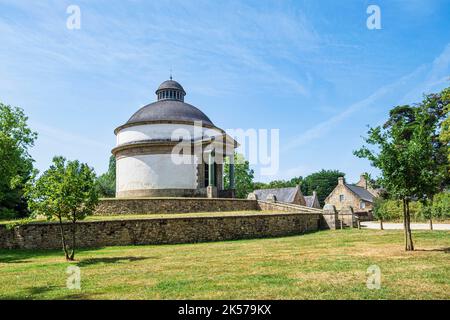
(172, 205)
(160, 231)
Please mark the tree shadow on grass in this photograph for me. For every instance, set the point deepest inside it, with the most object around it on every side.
(93, 261)
(445, 250)
(30, 293)
(35, 293)
(20, 256)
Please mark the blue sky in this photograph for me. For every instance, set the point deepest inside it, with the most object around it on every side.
(309, 68)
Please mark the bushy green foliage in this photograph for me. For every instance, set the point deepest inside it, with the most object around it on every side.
(16, 165)
(66, 191)
(393, 209)
(440, 207)
(323, 182)
(243, 176)
(106, 183)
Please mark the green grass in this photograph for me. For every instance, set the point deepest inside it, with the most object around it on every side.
(321, 265)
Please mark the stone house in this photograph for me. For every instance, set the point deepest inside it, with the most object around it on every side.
(292, 195)
(287, 195)
(359, 196)
(313, 201)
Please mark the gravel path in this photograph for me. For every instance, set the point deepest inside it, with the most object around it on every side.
(399, 226)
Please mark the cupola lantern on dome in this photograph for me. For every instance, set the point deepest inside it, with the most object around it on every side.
(170, 90)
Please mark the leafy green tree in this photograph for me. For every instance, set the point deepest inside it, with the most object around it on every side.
(259, 185)
(379, 211)
(444, 134)
(392, 210)
(16, 165)
(409, 154)
(431, 115)
(441, 205)
(65, 192)
(243, 175)
(106, 183)
(323, 182)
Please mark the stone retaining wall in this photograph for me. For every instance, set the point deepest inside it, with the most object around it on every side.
(286, 207)
(161, 231)
(121, 206)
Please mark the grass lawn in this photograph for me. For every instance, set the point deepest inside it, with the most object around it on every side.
(321, 265)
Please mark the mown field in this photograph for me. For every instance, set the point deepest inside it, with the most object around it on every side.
(321, 265)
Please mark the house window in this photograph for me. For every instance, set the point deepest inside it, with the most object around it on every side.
(362, 205)
(341, 198)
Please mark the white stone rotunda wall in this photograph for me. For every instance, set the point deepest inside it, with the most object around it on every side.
(155, 171)
(137, 173)
(162, 131)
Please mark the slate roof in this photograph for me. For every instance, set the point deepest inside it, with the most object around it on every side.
(361, 192)
(282, 194)
(309, 201)
(169, 110)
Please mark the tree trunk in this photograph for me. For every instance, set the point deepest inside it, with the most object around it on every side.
(381, 224)
(63, 239)
(409, 246)
(404, 223)
(74, 230)
(431, 224)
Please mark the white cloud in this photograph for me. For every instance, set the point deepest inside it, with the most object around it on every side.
(429, 77)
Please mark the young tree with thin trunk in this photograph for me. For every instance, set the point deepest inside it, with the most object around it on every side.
(66, 192)
(412, 159)
(378, 211)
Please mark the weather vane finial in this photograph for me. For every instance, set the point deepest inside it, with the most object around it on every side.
(170, 73)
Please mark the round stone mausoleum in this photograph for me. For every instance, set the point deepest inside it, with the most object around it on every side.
(170, 148)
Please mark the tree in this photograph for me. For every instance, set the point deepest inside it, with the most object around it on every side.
(409, 154)
(378, 211)
(441, 205)
(444, 135)
(106, 183)
(65, 192)
(323, 182)
(431, 118)
(243, 175)
(16, 165)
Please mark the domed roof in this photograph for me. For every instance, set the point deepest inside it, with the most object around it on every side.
(170, 84)
(169, 110)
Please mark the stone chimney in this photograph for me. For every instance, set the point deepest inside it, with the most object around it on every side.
(362, 182)
(341, 180)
